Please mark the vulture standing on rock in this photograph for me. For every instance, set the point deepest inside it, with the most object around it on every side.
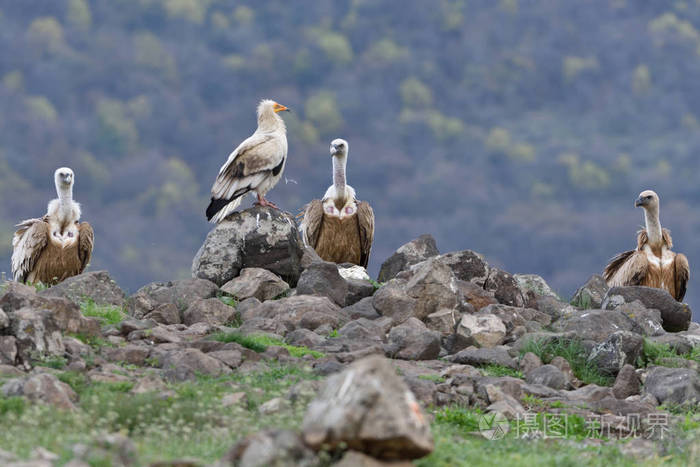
(255, 165)
(652, 264)
(339, 227)
(56, 246)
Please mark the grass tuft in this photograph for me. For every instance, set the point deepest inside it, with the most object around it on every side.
(260, 343)
(106, 314)
(500, 370)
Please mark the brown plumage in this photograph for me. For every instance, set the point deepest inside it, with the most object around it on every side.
(652, 263)
(56, 246)
(339, 227)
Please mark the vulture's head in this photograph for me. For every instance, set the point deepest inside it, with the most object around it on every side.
(268, 106)
(339, 147)
(648, 200)
(63, 177)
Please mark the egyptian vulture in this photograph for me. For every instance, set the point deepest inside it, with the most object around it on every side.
(339, 227)
(56, 246)
(255, 165)
(652, 264)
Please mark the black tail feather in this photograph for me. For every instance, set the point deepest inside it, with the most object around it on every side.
(215, 206)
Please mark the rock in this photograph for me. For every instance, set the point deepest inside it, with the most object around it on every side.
(548, 375)
(483, 330)
(533, 287)
(8, 350)
(130, 354)
(259, 237)
(565, 367)
(236, 398)
(274, 405)
(363, 329)
(443, 321)
(166, 313)
(36, 334)
(322, 279)
(627, 382)
(47, 389)
(675, 316)
(596, 325)
(529, 362)
(304, 338)
(113, 449)
(513, 317)
(361, 309)
(181, 293)
(648, 319)
(553, 307)
(620, 348)
(368, 408)
(353, 272)
(271, 448)
(392, 301)
(209, 310)
(504, 287)
(256, 282)
(484, 356)
(4, 320)
(413, 341)
(97, 286)
(591, 294)
(327, 366)
(357, 459)
(676, 342)
(673, 385)
(285, 315)
(358, 290)
(467, 266)
(411, 253)
(188, 363)
(433, 286)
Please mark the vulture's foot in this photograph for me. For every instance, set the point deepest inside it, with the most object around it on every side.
(263, 202)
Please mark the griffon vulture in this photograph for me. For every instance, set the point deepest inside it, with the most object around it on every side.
(56, 246)
(339, 227)
(255, 165)
(652, 264)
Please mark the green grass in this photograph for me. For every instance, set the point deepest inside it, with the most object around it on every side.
(500, 370)
(260, 343)
(56, 362)
(106, 314)
(191, 422)
(573, 352)
(228, 300)
(434, 378)
(654, 353)
(376, 284)
(584, 301)
(333, 333)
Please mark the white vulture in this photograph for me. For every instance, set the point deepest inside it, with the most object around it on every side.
(339, 227)
(255, 165)
(56, 246)
(652, 264)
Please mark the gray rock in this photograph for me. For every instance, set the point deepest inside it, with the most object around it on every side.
(131, 354)
(363, 329)
(627, 382)
(392, 301)
(620, 348)
(97, 286)
(673, 385)
(591, 294)
(358, 290)
(648, 319)
(181, 365)
(411, 253)
(209, 310)
(678, 343)
(513, 317)
(271, 448)
(483, 357)
(36, 334)
(467, 266)
(552, 307)
(676, 316)
(285, 315)
(433, 286)
(4, 320)
(166, 313)
(413, 341)
(256, 282)
(231, 358)
(533, 287)
(596, 325)
(504, 287)
(357, 459)
(443, 321)
(529, 362)
(304, 338)
(368, 408)
(181, 293)
(361, 309)
(260, 237)
(547, 375)
(324, 280)
(565, 367)
(47, 389)
(484, 330)
(8, 350)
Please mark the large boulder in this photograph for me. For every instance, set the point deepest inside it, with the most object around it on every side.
(676, 316)
(256, 282)
(181, 293)
(596, 325)
(36, 334)
(187, 364)
(260, 237)
(43, 388)
(368, 408)
(619, 349)
(411, 253)
(209, 310)
(323, 279)
(673, 385)
(97, 286)
(482, 330)
(288, 314)
(591, 294)
(533, 287)
(412, 340)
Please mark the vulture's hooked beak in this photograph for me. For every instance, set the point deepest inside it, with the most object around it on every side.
(281, 108)
(639, 202)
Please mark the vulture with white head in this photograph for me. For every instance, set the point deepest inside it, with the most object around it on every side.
(255, 165)
(339, 227)
(56, 246)
(652, 264)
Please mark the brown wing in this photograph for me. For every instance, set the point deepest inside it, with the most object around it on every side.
(313, 218)
(365, 219)
(86, 241)
(28, 243)
(627, 268)
(682, 274)
(643, 238)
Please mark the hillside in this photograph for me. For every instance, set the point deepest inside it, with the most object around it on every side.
(523, 130)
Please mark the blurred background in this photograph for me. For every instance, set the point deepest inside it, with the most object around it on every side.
(523, 130)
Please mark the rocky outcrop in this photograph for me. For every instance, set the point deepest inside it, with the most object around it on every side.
(256, 282)
(259, 237)
(411, 253)
(675, 316)
(97, 286)
(181, 293)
